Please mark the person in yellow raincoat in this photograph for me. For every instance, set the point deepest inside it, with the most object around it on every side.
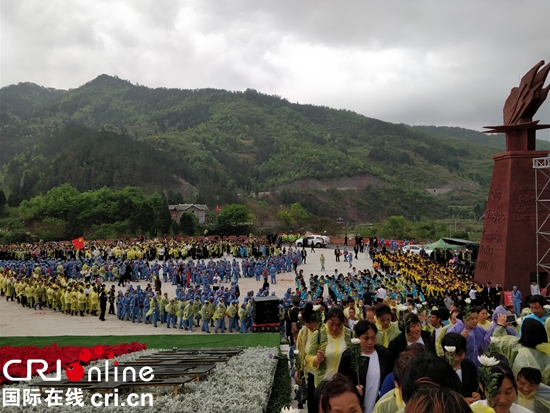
(531, 350)
(94, 301)
(532, 394)
(180, 313)
(387, 330)
(219, 317)
(304, 371)
(207, 311)
(170, 310)
(82, 301)
(328, 343)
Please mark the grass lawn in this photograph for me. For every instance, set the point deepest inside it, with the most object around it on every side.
(153, 341)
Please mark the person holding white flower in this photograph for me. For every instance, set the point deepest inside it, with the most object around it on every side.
(454, 346)
(374, 364)
(328, 343)
(502, 395)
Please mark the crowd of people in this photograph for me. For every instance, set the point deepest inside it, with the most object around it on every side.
(61, 278)
(407, 334)
(379, 348)
(416, 336)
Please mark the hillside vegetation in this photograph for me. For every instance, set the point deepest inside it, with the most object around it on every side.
(215, 147)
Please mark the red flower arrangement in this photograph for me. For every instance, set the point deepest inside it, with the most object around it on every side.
(67, 355)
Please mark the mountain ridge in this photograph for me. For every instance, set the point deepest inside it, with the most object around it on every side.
(224, 145)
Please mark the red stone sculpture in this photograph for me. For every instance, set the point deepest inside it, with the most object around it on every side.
(507, 253)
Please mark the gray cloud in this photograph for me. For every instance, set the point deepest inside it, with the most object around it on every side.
(421, 62)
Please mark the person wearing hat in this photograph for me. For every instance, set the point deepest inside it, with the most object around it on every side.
(196, 313)
(163, 302)
(170, 312)
(219, 316)
(232, 312)
(288, 294)
(81, 301)
(516, 294)
(188, 314)
(120, 305)
(134, 305)
(272, 273)
(243, 316)
(137, 306)
(207, 312)
(180, 312)
(250, 318)
(154, 310)
(146, 308)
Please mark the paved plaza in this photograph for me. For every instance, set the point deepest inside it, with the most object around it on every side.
(18, 321)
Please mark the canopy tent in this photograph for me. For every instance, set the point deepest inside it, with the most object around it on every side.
(471, 245)
(440, 245)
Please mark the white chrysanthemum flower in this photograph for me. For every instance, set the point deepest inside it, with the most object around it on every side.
(296, 352)
(547, 306)
(316, 307)
(494, 340)
(355, 341)
(450, 349)
(424, 303)
(487, 361)
(289, 410)
(468, 301)
(296, 387)
(402, 307)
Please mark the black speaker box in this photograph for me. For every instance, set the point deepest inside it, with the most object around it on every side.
(266, 310)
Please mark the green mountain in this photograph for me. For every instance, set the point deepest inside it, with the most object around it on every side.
(491, 139)
(216, 146)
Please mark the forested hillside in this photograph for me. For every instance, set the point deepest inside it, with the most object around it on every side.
(218, 147)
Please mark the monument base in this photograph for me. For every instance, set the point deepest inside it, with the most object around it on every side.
(507, 252)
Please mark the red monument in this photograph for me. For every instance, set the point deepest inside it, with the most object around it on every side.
(507, 253)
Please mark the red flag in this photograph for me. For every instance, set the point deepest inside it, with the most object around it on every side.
(217, 208)
(78, 243)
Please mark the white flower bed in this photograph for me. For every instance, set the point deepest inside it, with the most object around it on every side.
(242, 385)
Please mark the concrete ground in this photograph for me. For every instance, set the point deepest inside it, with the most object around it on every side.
(18, 321)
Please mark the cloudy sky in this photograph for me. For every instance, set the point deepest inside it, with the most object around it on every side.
(416, 62)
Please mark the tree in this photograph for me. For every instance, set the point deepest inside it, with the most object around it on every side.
(188, 223)
(395, 227)
(142, 218)
(287, 221)
(231, 216)
(61, 200)
(3, 199)
(299, 214)
(163, 220)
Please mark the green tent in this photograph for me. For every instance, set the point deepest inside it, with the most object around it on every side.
(441, 245)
